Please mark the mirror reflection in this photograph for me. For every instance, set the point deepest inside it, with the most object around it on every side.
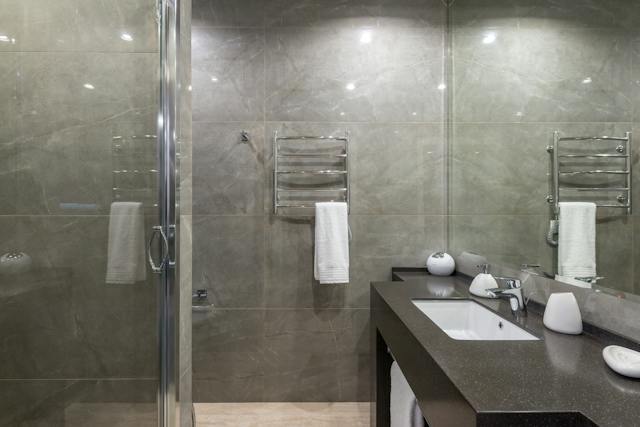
(541, 151)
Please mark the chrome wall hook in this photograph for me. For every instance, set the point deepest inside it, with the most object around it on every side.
(244, 136)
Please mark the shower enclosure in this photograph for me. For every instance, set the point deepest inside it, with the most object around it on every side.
(91, 121)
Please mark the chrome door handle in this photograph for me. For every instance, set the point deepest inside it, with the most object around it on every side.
(157, 229)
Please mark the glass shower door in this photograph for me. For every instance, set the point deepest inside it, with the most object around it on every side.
(80, 163)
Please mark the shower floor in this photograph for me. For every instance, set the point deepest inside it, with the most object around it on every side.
(286, 414)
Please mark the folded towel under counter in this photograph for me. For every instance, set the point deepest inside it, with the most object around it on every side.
(404, 410)
(331, 247)
(577, 239)
(126, 249)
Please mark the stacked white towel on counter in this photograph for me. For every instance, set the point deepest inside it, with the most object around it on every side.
(577, 240)
(404, 406)
(126, 250)
(331, 249)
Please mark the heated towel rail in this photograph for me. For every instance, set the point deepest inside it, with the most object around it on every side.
(135, 171)
(576, 157)
(310, 169)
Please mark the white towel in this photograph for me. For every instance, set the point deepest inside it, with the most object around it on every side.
(577, 239)
(405, 411)
(331, 249)
(573, 281)
(126, 251)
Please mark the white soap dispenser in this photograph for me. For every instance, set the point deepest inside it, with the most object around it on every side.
(483, 282)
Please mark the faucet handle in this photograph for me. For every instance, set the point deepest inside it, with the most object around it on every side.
(513, 283)
(527, 266)
(510, 282)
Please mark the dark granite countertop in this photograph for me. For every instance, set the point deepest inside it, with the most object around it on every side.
(558, 374)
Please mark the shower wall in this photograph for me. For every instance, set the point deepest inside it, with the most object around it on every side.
(374, 68)
(521, 70)
(78, 99)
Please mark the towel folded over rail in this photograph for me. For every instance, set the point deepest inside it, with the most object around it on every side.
(126, 250)
(404, 406)
(331, 249)
(577, 239)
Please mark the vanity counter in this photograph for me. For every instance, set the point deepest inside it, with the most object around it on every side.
(560, 380)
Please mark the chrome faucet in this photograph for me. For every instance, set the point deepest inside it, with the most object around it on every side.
(512, 291)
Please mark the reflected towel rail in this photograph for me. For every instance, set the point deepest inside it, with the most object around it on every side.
(302, 138)
(336, 156)
(593, 138)
(594, 156)
(312, 172)
(597, 171)
(595, 188)
(622, 151)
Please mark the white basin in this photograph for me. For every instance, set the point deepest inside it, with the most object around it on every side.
(468, 320)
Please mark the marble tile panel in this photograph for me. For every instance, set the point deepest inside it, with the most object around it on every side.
(228, 345)
(504, 168)
(384, 241)
(9, 133)
(321, 13)
(289, 280)
(12, 25)
(228, 13)
(76, 25)
(34, 403)
(500, 169)
(532, 74)
(229, 174)
(64, 90)
(509, 240)
(611, 14)
(249, 389)
(614, 252)
(228, 259)
(10, 95)
(368, 81)
(353, 377)
(398, 169)
(298, 340)
(228, 74)
(318, 384)
(419, 13)
(185, 263)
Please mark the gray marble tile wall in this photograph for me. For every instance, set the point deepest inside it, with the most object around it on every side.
(373, 68)
(73, 75)
(519, 71)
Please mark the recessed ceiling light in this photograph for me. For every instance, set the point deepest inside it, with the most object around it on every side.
(366, 37)
(489, 38)
(126, 37)
(350, 86)
(89, 86)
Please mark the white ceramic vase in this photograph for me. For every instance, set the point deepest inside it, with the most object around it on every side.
(562, 314)
(441, 264)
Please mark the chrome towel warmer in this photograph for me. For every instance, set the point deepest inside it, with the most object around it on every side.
(280, 156)
(133, 178)
(621, 151)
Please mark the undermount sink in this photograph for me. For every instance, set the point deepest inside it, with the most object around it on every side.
(468, 320)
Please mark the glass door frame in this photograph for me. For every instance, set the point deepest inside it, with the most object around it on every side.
(168, 214)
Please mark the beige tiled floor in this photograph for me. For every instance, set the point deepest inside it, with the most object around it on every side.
(287, 414)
